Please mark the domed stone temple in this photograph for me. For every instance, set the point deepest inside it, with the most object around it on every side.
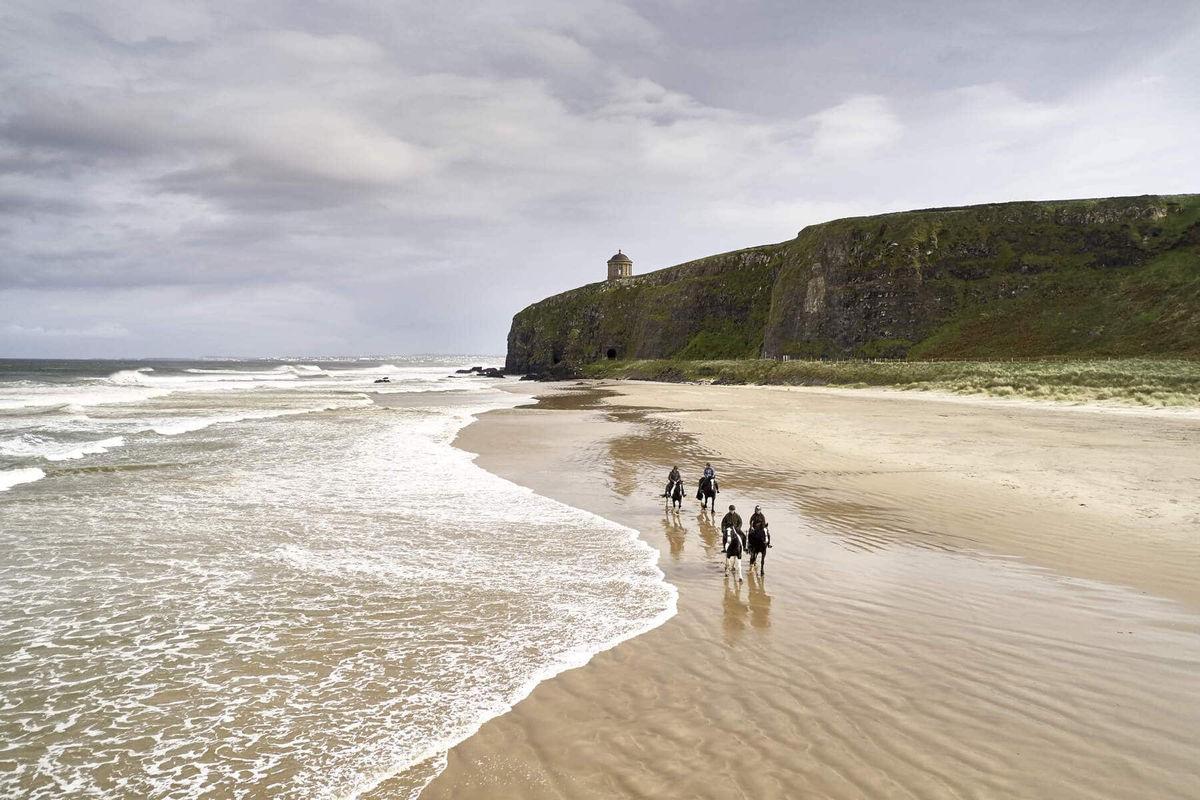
(620, 266)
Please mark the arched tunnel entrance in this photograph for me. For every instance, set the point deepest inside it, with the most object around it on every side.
(611, 354)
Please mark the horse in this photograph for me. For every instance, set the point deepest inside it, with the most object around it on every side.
(675, 498)
(708, 491)
(735, 545)
(757, 547)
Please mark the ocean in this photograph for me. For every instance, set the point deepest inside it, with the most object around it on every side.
(256, 579)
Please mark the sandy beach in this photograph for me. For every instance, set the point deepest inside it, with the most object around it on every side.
(965, 598)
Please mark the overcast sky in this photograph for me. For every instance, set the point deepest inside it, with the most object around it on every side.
(270, 178)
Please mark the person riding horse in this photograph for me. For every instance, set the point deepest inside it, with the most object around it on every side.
(675, 499)
(672, 479)
(758, 540)
(708, 488)
(733, 542)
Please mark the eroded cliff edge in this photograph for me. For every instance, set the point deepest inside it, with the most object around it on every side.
(1115, 276)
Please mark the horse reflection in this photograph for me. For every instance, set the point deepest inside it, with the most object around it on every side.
(735, 609)
(708, 533)
(760, 601)
(675, 532)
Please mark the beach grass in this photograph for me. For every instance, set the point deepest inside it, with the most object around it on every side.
(1134, 381)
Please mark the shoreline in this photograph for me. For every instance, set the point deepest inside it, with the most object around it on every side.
(657, 716)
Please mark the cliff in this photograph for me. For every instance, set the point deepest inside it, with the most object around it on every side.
(1110, 277)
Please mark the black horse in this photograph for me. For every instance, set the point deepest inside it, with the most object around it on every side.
(708, 491)
(675, 495)
(758, 540)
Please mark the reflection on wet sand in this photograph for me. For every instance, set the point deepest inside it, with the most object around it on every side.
(655, 442)
(760, 601)
(709, 534)
(906, 662)
(734, 609)
(675, 531)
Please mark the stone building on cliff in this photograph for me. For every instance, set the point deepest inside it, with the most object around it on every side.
(620, 266)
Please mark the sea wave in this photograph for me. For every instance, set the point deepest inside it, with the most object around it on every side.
(31, 445)
(51, 398)
(332, 555)
(15, 477)
(182, 425)
(285, 369)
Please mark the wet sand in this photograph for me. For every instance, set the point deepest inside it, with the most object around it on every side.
(966, 599)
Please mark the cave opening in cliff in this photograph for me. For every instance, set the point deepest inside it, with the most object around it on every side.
(611, 354)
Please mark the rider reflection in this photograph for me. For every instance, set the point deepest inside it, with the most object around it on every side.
(708, 533)
(735, 609)
(760, 601)
(675, 532)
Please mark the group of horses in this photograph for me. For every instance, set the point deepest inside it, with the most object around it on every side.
(756, 544)
(706, 493)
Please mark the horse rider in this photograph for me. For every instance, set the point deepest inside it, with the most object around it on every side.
(733, 542)
(709, 472)
(759, 540)
(672, 479)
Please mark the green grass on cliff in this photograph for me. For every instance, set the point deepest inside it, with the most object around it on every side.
(1145, 382)
(1085, 279)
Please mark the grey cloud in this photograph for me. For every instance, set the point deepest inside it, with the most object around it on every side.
(370, 176)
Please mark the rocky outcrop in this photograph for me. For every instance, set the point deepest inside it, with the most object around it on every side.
(1118, 276)
(483, 372)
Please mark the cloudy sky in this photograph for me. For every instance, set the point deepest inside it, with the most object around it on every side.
(203, 178)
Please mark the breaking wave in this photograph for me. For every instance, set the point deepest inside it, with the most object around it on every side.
(15, 477)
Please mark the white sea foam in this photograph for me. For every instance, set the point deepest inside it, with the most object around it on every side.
(15, 477)
(75, 398)
(295, 369)
(34, 446)
(341, 583)
(180, 425)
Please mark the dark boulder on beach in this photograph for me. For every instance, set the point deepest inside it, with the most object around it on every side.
(483, 372)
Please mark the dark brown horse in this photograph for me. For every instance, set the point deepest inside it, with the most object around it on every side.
(675, 496)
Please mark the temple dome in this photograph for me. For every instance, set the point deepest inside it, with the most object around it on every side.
(620, 258)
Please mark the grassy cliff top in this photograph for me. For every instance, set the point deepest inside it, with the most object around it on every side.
(1083, 278)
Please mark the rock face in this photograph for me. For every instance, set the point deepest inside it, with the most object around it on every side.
(1118, 276)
